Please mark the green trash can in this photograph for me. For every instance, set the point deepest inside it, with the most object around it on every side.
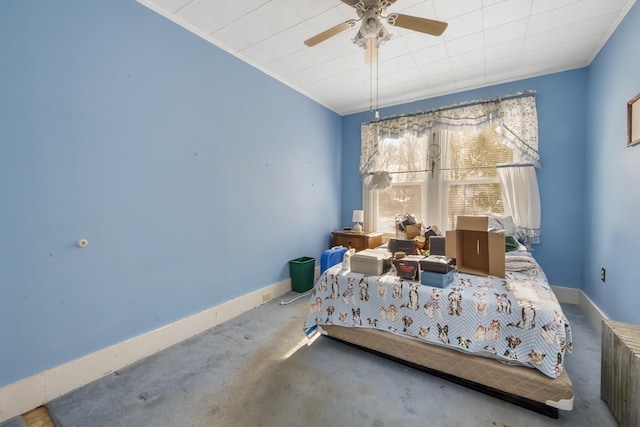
(302, 271)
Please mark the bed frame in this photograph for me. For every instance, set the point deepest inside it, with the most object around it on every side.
(519, 385)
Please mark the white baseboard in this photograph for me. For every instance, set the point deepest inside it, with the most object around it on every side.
(592, 312)
(29, 393)
(576, 296)
(567, 295)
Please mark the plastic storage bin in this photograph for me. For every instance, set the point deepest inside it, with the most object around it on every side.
(331, 257)
(302, 271)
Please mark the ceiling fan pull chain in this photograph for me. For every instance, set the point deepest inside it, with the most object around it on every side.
(370, 86)
(377, 116)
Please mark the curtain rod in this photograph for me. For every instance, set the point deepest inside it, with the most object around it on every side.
(504, 165)
(517, 95)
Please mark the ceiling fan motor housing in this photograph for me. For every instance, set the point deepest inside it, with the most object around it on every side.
(369, 11)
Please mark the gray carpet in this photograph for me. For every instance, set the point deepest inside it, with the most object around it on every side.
(13, 422)
(238, 374)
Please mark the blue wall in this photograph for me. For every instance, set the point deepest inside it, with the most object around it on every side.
(561, 100)
(173, 158)
(613, 205)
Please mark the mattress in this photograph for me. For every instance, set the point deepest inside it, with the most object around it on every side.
(517, 381)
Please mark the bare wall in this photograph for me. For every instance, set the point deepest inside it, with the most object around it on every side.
(194, 177)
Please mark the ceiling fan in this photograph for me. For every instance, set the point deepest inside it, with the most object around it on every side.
(372, 33)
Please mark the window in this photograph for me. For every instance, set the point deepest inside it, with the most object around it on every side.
(441, 169)
(406, 159)
(461, 180)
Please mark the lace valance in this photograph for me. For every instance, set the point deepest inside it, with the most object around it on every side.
(515, 113)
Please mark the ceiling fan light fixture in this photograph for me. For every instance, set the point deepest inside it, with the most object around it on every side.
(381, 36)
(371, 25)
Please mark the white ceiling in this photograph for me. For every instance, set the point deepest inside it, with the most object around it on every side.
(487, 42)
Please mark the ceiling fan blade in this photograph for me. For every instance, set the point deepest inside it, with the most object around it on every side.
(427, 26)
(330, 33)
(371, 52)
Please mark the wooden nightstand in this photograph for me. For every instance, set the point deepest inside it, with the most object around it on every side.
(357, 241)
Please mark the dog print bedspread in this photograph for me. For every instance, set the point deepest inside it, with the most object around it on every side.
(516, 319)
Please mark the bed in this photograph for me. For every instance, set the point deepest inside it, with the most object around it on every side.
(506, 337)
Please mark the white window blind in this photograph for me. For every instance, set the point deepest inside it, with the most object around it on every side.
(469, 175)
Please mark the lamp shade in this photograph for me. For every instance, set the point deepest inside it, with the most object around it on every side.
(358, 216)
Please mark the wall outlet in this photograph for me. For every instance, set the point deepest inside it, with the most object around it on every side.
(603, 274)
(266, 297)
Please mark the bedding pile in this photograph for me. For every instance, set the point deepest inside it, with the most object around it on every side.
(516, 319)
(521, 263)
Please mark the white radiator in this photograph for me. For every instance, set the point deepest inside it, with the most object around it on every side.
(620, 371)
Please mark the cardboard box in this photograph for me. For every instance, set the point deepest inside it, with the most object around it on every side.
(476, 250)
(437, 280)
(408, 267)
(371, 262)
(411, 231)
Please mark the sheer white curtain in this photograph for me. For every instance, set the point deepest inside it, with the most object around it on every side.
(518, 181)
(521, 198)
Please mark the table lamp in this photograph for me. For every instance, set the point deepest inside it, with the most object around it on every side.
(358, 217)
